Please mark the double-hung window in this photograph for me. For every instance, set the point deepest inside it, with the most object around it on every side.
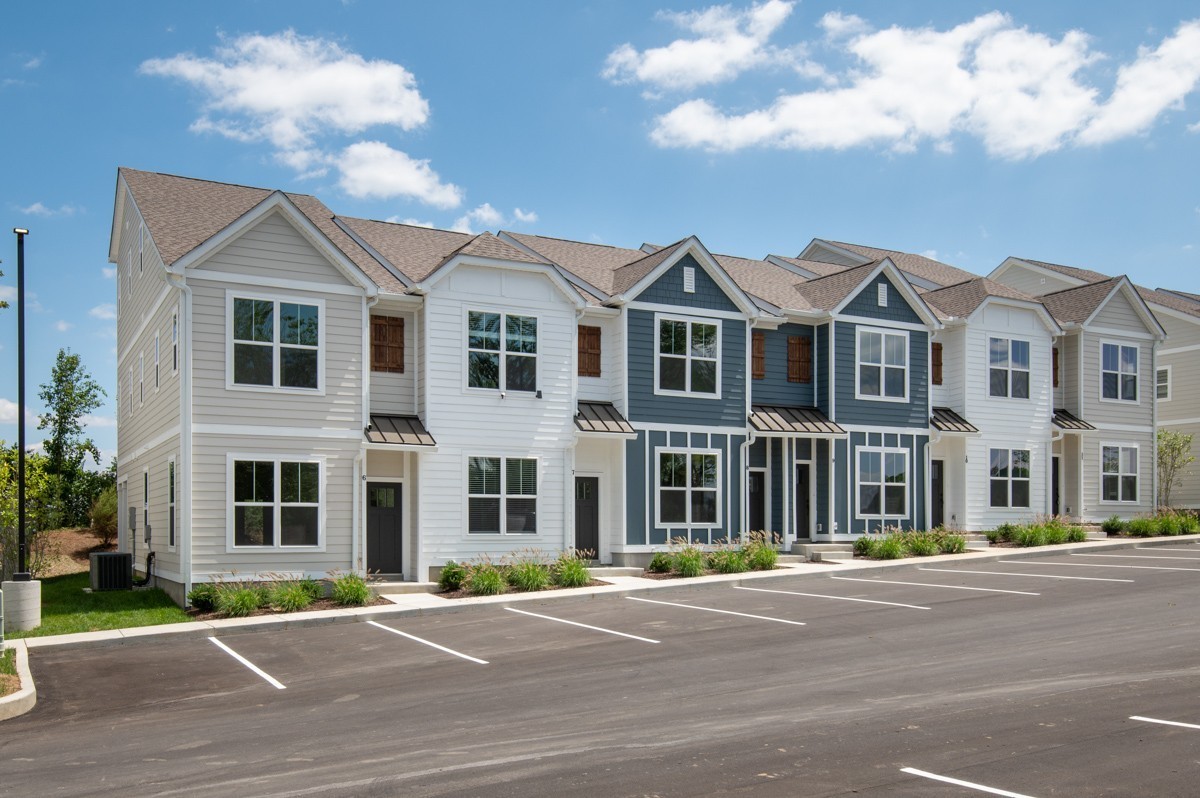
(687, 488)
(174, 343)
(171, 503)
(882, 483)
(1009, 477)
(1008, 368)
(1119, 473)
(502, 351)
(502, 495)
(276, 343)
(1162, 384)
(882, 365)
(688, 357)
(1119, 372)
(276, 503)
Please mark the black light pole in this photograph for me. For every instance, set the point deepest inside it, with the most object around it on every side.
(22, 574)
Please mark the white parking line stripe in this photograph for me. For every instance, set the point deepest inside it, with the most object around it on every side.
(248, 664)
(1098, 565)
(1163, 548)
(960, 783)
(1164, 722)
(428, 643)
(838, 598)
(1134, 556)
(583, 625)
(723, 612)
(924, 584)
(1037, 576)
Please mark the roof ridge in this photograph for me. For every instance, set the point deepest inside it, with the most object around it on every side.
(215, 182)
(656, 254)
(1085, 285)
(404, 224)
(570, 241)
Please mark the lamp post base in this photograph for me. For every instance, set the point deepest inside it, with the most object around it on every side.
(22, 604)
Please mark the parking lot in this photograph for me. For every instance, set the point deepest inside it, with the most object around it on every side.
(1073, 674)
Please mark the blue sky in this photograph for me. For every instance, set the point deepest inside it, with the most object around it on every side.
(969, 131)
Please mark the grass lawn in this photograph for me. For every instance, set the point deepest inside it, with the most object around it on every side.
(67, 609)
(9, 683)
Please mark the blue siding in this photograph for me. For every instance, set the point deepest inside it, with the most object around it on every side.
(668, 289)
(821, 356)
(777, 484)
(866, 304)
(821, 475)
(758, 454)
(913, 413)
(635, 490)
(774, 389)
(841, 477)
(729, 410)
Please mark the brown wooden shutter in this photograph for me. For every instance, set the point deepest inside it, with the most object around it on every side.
(1055, 366)
(589, 351)
(387, 344)
(936, 366)
(799, 358)
(758, 355)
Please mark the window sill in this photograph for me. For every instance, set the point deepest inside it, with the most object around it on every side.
(686, 394)
(892, 399)
(276, 390)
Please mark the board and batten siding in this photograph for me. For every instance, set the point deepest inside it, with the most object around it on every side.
(954, 365)
(774, 388)
(601, 457)
(821, 357)
(474, 422)
(395, 392)
(914, 445)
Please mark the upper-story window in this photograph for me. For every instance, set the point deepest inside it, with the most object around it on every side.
(1162, 384)
(688, 359)
(502, 351)
(1008, 368)
(276, 343)
(1119, 372)
(882, 365)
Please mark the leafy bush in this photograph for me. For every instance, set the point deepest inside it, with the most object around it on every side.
(1189, 524)
(570, 570)
(484, 579)
(1142, 528)
(890, 548)
(728, 561)
(237, 600)
(1113, 525)
(104, 516)
(314, 589)
(689, 561)
(350, 590)
(290, 596)
(661, 563)
(1076, 534)
(760, 552)
(452, 576)
(203, 597)
(865, 546)
(950, 543)
(528, 571)
(921, 544)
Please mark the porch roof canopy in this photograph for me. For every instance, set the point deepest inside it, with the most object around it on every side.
(1069, 422)
(603, 418)
(398, 431)
(946, 420)
(787, 421)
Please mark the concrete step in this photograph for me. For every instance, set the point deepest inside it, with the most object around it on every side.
(382, 588)
(808, 549)
(978, 544)
(792, 558)
(601, 571)
(832, 556)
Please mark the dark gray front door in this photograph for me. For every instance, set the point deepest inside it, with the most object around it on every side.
(757, 488)
(937, 490)
(587, 515)
(384, 544)
(803, 511)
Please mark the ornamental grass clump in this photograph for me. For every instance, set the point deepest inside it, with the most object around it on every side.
(237, 600)
(484, 578)
(528, 571)
(890, 547)
(950, 543)
(290, 596)
(760, 551)
(689, 560)
(662, 562)
(1141, 528)
(865, 546)
(570, 569)
(728, 560)
(203, 597)
(920, 544)
(350, 590)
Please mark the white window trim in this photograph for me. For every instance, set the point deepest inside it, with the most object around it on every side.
(1166, 398)
(661, 450)
(882, 516)
(175, 342)
(503, 495)
(172, 503)
(503, 374)
(322, 323)
(858, 394)
(1010, 369)
(1137, 460)
(230, 517)
(1137, 374)
(1010, 479)
(689, 320)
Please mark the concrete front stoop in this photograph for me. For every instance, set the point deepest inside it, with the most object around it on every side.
(824, 552)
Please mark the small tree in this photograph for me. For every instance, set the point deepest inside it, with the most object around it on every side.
(69, 396)
(104, 516)
(1174, 456)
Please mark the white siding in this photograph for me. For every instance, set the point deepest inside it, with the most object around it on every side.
(950, 392)
(1033, 282)
(602, 457)
(600, 388)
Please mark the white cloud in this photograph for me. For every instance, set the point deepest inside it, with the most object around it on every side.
(408, 220)
(1021, 93)
(105, 312)
(62, 325)
(8, 412)
(484, 215)
(8, 293)
(372, 169)
(930, 253)
(32, 63)
(40, 209)
(109, 272)
(99, 421)
(727, 42)
(527, 217)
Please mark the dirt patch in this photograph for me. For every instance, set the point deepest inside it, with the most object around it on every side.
(318, 605)
(9, 684)
(463, 593)
(69, 550)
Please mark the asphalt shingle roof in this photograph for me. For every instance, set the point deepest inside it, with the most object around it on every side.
(1075, 305)
(961, 300)
(817, 267)
(772, 284)
(926, 268)
(594, 263)
(826, 293)
(1087, 275)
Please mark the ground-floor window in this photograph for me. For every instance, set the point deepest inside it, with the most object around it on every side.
(502, 495)
(1009, 474)
(1119, 473)
(687, 488)
(882, 483)
(171, 503)
(276, 502)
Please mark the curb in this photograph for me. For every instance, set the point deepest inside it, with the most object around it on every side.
(22, 701)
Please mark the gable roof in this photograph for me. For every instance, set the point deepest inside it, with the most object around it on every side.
(1086, 275)
(1184, 294)
(629, 275)
(766, 281)
(934, 271)
(963, 299)
(1076, 305)
(1178, 301)
(594, 263)
(826, 293)
(817, 267)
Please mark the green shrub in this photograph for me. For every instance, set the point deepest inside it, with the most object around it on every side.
(528, 572)
(1076, 534)
(949, 543)
(237, 600)
(452, 576)
(728, 561)
(760, 552)
(865, 546)
(485, 579)
(570, 570)
(314, 588)
(1030, 535)
(104, 516)
(1113, 525)
(1054, 534)
(203, 597)
(689, 561)
(889, 548)
(921, 544)
(350, 590)
(660, 563)
(290, 596)
(1189, 524)
(1142, 527)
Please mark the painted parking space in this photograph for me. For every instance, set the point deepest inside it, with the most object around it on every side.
(257, 671)
(933, 585)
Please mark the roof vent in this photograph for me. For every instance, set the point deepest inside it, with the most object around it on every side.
(883, 295)
(689, 279)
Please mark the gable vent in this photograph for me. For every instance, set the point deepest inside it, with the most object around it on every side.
(689, 279)
(883, 295)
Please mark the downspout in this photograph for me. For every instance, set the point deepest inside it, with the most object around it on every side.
(744, 521)
(569, 453)
(358, 494)
(1153, 393)
(935, 438)
(185, 428)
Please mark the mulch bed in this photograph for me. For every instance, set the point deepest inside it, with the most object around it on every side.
(463, 593)
(319, 604)
(709, 572)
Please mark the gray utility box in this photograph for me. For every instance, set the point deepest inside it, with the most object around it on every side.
(112, 570)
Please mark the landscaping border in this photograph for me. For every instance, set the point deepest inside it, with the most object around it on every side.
(23, 700)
